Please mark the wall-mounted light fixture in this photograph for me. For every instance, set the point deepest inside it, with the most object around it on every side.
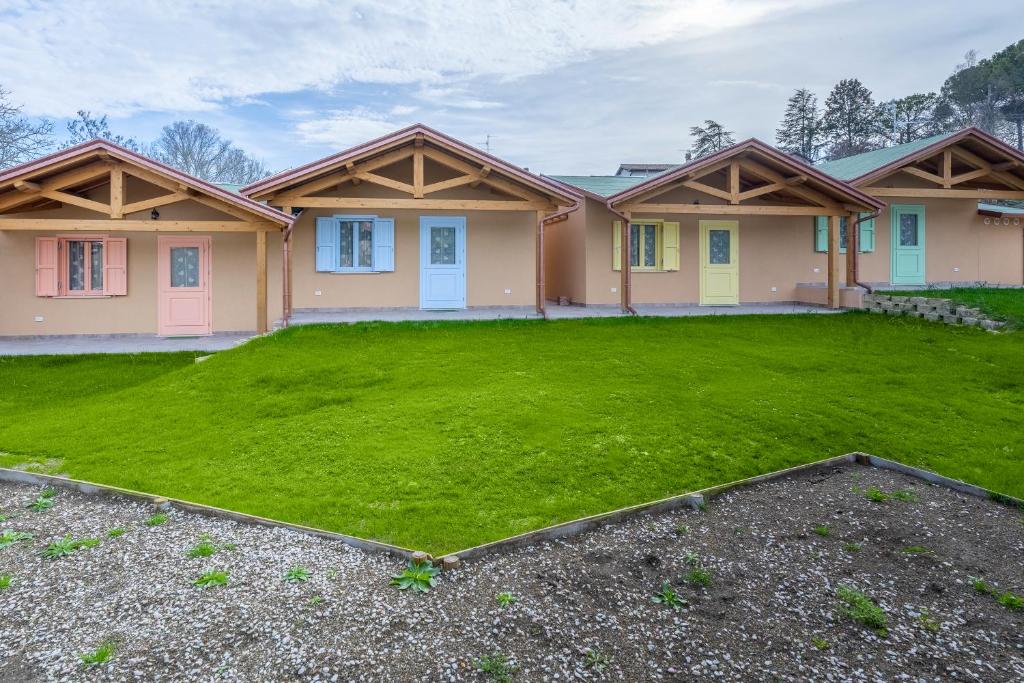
(154, 214)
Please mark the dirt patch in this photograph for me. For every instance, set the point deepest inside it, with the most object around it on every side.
(773, 557)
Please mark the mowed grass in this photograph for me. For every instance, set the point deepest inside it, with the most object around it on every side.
(999, 303)
(439, 436)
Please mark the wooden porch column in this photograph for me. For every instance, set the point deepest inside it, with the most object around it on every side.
(541, 293)
(852, 248)
(626, 281)
(261, 282)
(286, 283)
(833, 252)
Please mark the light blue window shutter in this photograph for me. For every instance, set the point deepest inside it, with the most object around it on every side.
(821, 233)
(867, 234)
(326, 244)
(384, 244)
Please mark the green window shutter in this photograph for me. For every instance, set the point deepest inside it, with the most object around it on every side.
(867, 234)
(617, 245)
(670, 246)
(821, 233)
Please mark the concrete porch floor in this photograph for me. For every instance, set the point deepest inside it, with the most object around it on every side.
(127, 343)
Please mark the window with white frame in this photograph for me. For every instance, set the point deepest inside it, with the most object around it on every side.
(82, 267)
(354, 244)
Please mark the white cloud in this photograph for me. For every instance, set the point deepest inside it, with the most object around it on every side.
(191, 56)
(345, 128)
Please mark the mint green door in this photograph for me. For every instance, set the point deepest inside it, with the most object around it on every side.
(908, 257)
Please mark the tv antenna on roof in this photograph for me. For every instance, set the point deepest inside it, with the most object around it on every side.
(487, 144)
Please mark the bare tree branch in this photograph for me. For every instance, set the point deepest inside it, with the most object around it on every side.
(21, 140)
(199, 150)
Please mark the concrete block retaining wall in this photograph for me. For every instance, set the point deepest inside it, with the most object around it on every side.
(935, 310)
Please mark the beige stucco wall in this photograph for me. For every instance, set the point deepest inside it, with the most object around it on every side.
(565, 257)
(500, 255)
(233, 278)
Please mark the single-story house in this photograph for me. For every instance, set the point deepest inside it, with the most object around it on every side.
(413, 220)
(736, 226)
(933, 229)
(97, 239)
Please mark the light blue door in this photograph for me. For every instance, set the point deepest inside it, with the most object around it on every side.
(908, 255)
(442, 262)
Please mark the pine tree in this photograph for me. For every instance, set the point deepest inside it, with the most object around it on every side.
(800, 131)
(710, 138)
(851, 123)
(910, 118)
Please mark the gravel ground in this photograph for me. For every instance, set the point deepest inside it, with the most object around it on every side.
(769, 613)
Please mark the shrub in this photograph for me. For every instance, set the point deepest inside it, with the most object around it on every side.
(9, 538)
(156, 520)
(667, 596)
(296, 574)
(100, 655)
(863, 610)
(211, 579)
(420, 577)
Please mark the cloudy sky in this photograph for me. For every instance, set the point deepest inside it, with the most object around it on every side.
(569, 86)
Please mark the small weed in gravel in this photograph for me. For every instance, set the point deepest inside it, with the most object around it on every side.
(852, 547)
(683, 529)
(916, 550)
(699, 577)
(863, 610)
(9, 538)
(156, 520)
(67, 546)
(506, 599)
(202, 549)
(983, 587)
(419, 577)
(702, 506)
(40, 504)
(875, 495)
(496, 666)
(692, 559)
(48, 492)
(667, 596)
(1010, 601)
(315, 600)
(820, 643)
(928, 622)
(100, 655)
(5, 581)
(211, 579)
(905, 496)
(596, 660)
(116, 532)
(822, 531)
(296, 574)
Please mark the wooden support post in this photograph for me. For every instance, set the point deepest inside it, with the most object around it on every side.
(833, 252)
(116, 192)
(852, 248)
(947, 168)
(627, 265)
(541, 294)
(734, 183)
(286, 282)
(261, 282)
(417, 169)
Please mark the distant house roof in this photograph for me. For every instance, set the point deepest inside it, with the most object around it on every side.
(988, 209)
(230, 187)
(601, 186)
(849, 168)
(643, 169)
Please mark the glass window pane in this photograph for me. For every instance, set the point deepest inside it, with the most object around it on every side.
(442, 246)
(908, 229)
(650, 245)
(96, 267)
(842, 232)
(718, 245)
(345, 245)
(634, 245)
(365, 244)
(184, 266)
(76, 266)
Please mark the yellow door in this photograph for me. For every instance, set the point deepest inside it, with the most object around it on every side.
(719, 263)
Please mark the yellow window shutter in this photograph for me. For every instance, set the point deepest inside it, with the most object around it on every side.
(617, 245)
(670, 246)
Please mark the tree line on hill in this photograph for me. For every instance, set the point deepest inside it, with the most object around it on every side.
(986, 93)
(189, 146)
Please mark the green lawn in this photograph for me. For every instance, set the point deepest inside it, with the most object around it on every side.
(444, 435)
(999, 303)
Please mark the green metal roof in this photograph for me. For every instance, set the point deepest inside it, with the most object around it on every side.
(601, 185)
(1002, 208)
(849, 168)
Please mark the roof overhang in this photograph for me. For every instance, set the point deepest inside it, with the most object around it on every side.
(778, 181)
(418, 134)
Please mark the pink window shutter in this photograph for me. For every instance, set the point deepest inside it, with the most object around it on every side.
(115, 266)
(46, 266)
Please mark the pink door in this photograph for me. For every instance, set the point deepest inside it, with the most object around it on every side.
(183, 286)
